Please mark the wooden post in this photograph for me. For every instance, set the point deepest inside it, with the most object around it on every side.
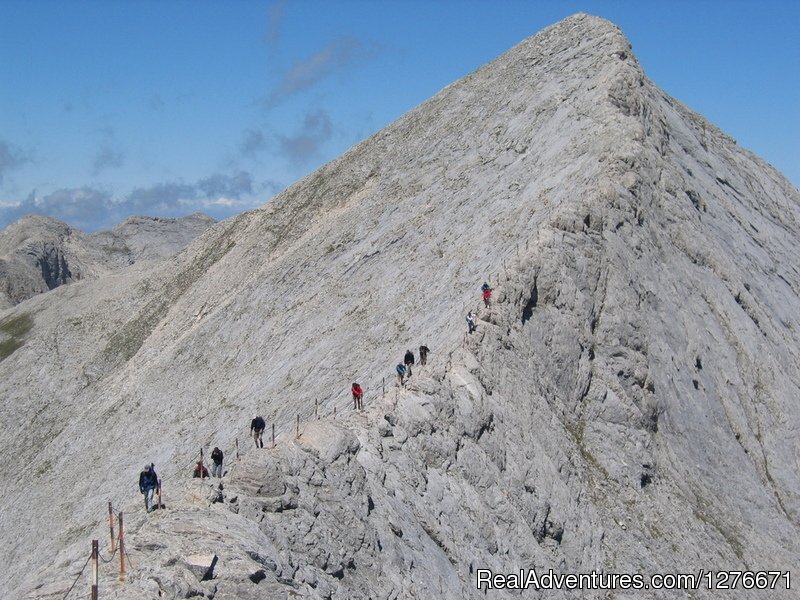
(121, 548)
(95, 553)
(111, 526)
(334, 413)
(201, 465)
(273, 435)
(237, 448)
(297, 427)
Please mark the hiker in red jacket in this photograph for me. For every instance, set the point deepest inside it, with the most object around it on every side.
(358, 394)
(487, 294)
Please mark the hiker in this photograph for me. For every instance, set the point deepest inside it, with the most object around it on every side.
(358, 395)
(216, 462)
(471, 321)
(257, 427)
(401, 373)
(487, 294)
(200, 471)
(148, 484)
(423, 355)
(408, 360)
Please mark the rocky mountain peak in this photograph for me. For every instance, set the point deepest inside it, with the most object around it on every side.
(39, 253)
(627, 403)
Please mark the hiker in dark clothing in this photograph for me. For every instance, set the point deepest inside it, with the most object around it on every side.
(148, 484)
(487, 294)
(358, 395)
(216, 462)
(401, 373)
(408, 360)
(423, 355)
(200, 472)
(471, 321)
(257, 427)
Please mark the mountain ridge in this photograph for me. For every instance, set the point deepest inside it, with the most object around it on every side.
(627, 402)
(39, 253)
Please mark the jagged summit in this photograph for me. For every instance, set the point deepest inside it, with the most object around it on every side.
(626, 405)
(39, 253)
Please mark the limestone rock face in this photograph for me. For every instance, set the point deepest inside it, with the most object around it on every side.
(628, 403)
(40, 253)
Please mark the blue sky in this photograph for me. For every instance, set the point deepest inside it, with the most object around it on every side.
(111, 108)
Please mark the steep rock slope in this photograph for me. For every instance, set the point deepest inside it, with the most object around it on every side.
(628, 403)
(40, 253)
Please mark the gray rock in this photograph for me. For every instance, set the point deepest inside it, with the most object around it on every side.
(202, 565)
(636, 329)
(38, 253)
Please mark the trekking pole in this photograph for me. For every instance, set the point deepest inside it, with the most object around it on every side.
(273, 435)
(111, 526)
(297, 427)
(121, 549)
(95, 553)
(159, 495)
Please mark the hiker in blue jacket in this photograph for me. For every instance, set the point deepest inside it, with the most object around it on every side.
(148, 484)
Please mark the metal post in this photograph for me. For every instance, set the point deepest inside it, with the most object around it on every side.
(95, 553)
(111, 526)
(121, 548)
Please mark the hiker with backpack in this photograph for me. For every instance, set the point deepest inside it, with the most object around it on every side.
(423, 355)
(358, 395)
(401, 373)
(257, 427)
(471, 322)
(148, 484)
(216, 462)
(487, 294)
(408, 360)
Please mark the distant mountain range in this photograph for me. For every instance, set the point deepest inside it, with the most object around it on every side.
(39, 253)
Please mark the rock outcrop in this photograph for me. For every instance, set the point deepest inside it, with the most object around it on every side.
(628, 403)
(38, 253)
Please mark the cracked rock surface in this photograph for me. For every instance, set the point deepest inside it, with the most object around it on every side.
(628, 403)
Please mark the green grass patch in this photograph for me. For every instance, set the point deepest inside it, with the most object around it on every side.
(8, 346)
(15, 328)
(577, 431)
